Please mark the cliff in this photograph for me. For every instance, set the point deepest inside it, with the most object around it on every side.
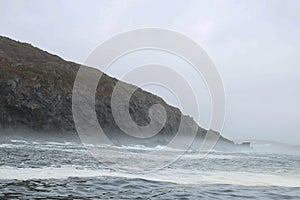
(36, 94)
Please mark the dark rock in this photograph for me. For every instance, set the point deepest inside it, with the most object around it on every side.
(244, 146)
(36, 94)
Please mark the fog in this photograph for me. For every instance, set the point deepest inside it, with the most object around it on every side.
(254, 44)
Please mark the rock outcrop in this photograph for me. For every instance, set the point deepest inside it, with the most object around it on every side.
(36, 94)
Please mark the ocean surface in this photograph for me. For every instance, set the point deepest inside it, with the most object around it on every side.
(53, 170)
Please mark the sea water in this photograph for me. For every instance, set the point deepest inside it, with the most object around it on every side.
(55, 170)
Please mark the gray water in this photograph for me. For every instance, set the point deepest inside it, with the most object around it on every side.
(49, 170)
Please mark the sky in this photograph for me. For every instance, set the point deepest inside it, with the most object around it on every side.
(254, 44)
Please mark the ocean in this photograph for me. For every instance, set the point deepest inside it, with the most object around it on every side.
(54, 170)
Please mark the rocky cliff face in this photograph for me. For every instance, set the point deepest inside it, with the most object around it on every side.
(36, 94)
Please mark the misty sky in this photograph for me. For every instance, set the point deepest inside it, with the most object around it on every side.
(255, 45)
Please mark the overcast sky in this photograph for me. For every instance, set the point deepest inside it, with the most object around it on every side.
(255, 45)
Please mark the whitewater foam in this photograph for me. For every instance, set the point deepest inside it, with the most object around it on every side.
(217, 177)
